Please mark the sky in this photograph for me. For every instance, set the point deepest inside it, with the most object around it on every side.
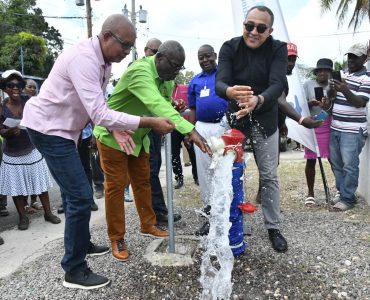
(197, 22)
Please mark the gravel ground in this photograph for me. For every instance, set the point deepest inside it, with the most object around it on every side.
(328, 256)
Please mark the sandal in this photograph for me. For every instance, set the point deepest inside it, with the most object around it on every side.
(37, 205)
(309, 201)
(29, 210)
(341, 206)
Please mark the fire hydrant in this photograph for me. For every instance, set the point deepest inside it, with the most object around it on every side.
(232, 141)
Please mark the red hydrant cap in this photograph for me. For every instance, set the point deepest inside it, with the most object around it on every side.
(233, 137)
(247, 207)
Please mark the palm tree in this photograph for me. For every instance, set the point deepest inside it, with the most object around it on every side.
(360, 12)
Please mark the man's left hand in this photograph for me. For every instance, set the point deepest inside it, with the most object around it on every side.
(248, 106)
(124, 140)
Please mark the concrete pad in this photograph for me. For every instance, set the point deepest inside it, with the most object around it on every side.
(185, 246)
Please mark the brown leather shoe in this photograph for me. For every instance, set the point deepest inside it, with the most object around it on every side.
(119, 250)
(154, 231)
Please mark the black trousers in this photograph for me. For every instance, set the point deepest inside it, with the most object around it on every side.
(158, 203)
(176, 139)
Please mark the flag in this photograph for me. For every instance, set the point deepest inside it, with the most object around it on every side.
(296, 96)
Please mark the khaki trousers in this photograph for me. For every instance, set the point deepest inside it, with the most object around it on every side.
(119, 169)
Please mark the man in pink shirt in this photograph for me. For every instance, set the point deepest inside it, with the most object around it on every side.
(71, 96)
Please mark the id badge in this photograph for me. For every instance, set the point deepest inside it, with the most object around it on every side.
(204, 93)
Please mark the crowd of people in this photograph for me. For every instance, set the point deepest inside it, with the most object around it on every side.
(124, 126)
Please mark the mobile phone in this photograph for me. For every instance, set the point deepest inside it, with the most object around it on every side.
(322, 115)
(319, 93)
(336, 75)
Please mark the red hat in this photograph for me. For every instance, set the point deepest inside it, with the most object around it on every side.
(292, 49)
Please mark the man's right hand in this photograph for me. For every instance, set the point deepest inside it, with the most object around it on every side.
(159, 125)
(195, 137)
(310, 123)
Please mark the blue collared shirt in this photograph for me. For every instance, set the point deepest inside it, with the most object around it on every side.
(210, 108)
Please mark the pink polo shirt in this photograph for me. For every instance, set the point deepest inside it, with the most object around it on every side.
(73, 94)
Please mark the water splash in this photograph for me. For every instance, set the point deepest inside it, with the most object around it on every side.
(218, 260)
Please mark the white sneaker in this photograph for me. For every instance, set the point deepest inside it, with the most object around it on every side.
(336, 198)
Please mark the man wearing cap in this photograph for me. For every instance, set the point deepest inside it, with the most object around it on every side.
(349, 125)
(322, 72)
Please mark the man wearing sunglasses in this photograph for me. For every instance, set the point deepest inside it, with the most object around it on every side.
(145, 88)
(251, 76)
(71, 96)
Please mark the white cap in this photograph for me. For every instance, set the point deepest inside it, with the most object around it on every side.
(7, 73)
(358, 50)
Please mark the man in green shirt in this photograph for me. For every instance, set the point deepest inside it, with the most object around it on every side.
(144, 89)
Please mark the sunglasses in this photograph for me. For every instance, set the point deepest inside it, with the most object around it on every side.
(12, 85)
(176, 68)
(261, 28)
(153, 50)
(124, 45)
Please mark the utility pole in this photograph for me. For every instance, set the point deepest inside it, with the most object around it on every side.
(133, 20)
(88, 17)
(142, 19)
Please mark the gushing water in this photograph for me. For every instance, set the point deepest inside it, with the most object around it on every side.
(218, 259)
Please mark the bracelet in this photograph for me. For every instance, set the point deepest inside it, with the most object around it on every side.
(301, 120)
(259, 102)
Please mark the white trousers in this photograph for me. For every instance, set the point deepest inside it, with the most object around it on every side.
(203, 160)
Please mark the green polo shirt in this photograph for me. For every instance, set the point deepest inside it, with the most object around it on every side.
(141, 92)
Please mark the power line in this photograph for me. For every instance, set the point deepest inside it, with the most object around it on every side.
(47, 17)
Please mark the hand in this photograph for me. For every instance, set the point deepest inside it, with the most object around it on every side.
(339, 86)
(239, 93)
(247, 106)
(93, 145)
(310, 122)
(200, 142)
(187, 142)
(179, 105)
(124, 140)
(313, 102)
(13, 131)
(162, 125)
(283, 130)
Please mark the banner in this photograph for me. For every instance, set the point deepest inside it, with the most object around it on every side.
(296, 96)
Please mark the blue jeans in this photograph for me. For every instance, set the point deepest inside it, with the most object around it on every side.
(345, 149)
(64, 163)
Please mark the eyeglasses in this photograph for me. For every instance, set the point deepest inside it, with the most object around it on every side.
(261, 28)
(153, 50)
(123, 44)
(31, 87)
(176, 68)
(12, 85)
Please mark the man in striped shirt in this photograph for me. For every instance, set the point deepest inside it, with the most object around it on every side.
(349, 126)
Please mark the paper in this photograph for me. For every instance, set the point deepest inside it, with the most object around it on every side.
(10, 122)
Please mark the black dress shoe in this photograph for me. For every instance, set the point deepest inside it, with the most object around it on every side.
(203, 230)
(60, 210)
(179, 184)
(278, 242)
(94, 206)
(96, 250)
(163, 218)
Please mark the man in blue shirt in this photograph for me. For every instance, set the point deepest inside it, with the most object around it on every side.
(206, 112)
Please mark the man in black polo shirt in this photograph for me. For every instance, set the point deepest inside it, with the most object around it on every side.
(251, 75)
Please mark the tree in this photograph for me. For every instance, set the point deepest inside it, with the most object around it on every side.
(184, 78)
(360, 12)
(34, 53)
(18, 16)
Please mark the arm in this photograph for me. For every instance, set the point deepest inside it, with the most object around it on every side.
(277, 78)
(356, 100)
(86, 77)
(192, 98)
(288, 110)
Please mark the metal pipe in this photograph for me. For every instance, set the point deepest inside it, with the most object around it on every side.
(133, 20)
(171, 227)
